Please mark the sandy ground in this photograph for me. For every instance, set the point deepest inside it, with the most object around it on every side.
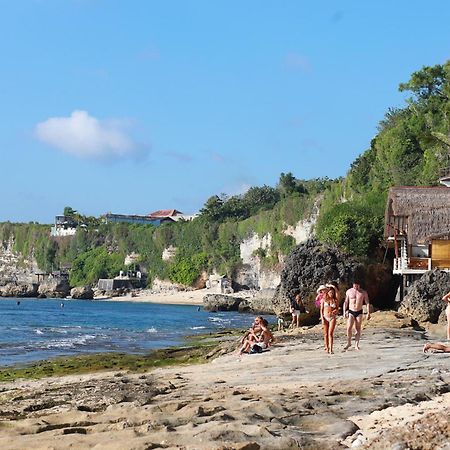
(174, 298)
(387, 395)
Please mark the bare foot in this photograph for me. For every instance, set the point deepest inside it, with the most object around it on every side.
(357, 347)
(330, 352)
(426, 348)
(347, 347)
(326, 350)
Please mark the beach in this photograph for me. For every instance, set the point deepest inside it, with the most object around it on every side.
(293, 396)
(189, 297)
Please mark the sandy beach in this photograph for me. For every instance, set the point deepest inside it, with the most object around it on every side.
(293, 396)
(194, 297)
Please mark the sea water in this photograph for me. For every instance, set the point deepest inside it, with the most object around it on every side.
(36, 329)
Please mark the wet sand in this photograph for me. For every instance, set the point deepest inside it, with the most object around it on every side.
(293, 396)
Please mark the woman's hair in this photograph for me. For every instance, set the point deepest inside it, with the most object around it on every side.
(262, 320)
(333, 290)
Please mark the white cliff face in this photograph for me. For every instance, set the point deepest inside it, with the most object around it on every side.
(304, 229)
(252, 274)
(12, 267)
(253, 243)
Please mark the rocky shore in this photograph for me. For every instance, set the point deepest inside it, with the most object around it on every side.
(388, 395)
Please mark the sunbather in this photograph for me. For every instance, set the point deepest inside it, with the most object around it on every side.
(258, 339)
(436, 348)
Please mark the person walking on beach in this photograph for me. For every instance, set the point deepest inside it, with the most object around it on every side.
(297, 308)
(329, 309)
(355, 298)
(446, 298)
(321, 292)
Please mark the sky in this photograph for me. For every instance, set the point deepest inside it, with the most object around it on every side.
(135, 106)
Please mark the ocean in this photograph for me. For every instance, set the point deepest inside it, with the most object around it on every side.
(37, 329)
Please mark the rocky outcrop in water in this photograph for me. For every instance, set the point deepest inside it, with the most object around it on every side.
(221, 302)
(424, 299)
(19, 290)
(54, 287)
(82, 293)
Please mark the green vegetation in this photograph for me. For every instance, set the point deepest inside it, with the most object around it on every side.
(411, 147)
(108, 361)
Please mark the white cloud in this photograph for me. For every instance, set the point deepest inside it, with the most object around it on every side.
(87, 137)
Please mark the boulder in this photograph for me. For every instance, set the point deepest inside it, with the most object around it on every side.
(82, 293)
(424, 300)
(261, 303)
(54, 287)
(308, 266)
(19, 290)
(221, 302)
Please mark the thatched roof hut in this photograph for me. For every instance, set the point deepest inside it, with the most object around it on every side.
(421, 213)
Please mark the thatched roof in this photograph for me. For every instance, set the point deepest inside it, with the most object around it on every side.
(426, 211)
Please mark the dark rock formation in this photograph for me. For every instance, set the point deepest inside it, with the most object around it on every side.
(82, 293)
(221, 302)
(308, 266)
(19, 290)
(54, 287)
(424, 299)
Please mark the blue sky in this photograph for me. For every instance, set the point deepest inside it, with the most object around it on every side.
(134, 106)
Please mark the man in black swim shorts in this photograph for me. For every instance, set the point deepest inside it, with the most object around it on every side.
(355, 298)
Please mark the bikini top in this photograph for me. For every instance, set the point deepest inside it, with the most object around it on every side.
(329, 305)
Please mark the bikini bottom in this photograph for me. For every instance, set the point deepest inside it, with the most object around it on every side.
(355, 314)
(329, 318)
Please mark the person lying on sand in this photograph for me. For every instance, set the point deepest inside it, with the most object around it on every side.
(436, 348)
(258, 339)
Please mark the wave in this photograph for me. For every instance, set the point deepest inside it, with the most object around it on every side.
(69, 342)
(197, 328)
(38, 331)
(152, 330)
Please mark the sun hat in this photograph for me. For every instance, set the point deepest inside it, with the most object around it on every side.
(321, 288)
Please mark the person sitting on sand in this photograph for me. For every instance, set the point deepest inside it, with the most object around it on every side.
(254, 329)
(257, 341)
(329, 309)
(446, 298)
(436, 348)
(297, 308)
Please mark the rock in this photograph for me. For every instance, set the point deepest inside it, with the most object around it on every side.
(424, 299)
(55, 287)
(308, 266)
(314, 263)
(221, 302)
(82, 293)
(261, 303)
(19, 290)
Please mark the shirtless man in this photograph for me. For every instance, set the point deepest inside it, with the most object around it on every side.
(355, 298)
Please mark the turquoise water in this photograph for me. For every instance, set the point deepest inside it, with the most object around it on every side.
(40, 329)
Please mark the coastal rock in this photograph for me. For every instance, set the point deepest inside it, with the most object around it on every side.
(424, 299)
(82, 293)
(308, 266)
(261, 303)
(19, 290)
(221, 302)
(313, 263)
(54, 287)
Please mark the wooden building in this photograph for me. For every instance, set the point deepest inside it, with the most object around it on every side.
(417, 228)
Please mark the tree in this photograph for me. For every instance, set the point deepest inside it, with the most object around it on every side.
(69, 211)
(287, 183)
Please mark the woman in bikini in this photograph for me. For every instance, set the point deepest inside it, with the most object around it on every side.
(259, 335)
(329, 309)
(446, 298)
